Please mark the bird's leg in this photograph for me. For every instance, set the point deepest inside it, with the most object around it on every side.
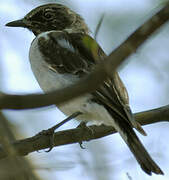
(51, 130)
(84, 128)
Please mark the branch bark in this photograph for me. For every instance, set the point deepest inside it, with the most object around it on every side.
(92, 81)
(39, 142)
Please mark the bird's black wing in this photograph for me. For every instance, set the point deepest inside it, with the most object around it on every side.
(113, 92)
(77, 54)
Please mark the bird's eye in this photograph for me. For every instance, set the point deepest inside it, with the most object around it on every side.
(48, 15)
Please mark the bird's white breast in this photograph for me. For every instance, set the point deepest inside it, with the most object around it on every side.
(49, 81)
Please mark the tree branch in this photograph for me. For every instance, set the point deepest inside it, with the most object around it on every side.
(39, 142)
(94, 80)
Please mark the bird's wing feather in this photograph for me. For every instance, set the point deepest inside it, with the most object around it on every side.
(113, 92)
(77, 54)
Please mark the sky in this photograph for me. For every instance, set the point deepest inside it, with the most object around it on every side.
(145, 75)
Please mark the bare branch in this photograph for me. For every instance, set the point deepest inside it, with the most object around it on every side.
(94, 80)
(39, 142)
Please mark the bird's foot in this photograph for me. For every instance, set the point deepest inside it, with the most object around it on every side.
(85, 128)
(50, 132)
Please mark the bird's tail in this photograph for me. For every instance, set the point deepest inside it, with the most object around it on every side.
(138, 150)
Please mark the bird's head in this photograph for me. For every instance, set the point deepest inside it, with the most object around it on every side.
(51, 17)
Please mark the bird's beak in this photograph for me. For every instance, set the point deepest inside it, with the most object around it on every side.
(18, 23)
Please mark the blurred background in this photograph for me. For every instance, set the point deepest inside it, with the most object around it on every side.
(145, 74)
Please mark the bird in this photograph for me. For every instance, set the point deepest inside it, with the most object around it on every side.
(61, 54)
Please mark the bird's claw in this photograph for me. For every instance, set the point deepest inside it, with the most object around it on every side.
(84, 127)
(50, 131)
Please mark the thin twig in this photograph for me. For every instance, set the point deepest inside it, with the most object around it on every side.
(98, 26)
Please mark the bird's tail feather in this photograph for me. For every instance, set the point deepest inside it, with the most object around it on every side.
(138, 150)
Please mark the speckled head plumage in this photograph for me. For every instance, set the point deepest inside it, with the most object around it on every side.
(51, 17)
